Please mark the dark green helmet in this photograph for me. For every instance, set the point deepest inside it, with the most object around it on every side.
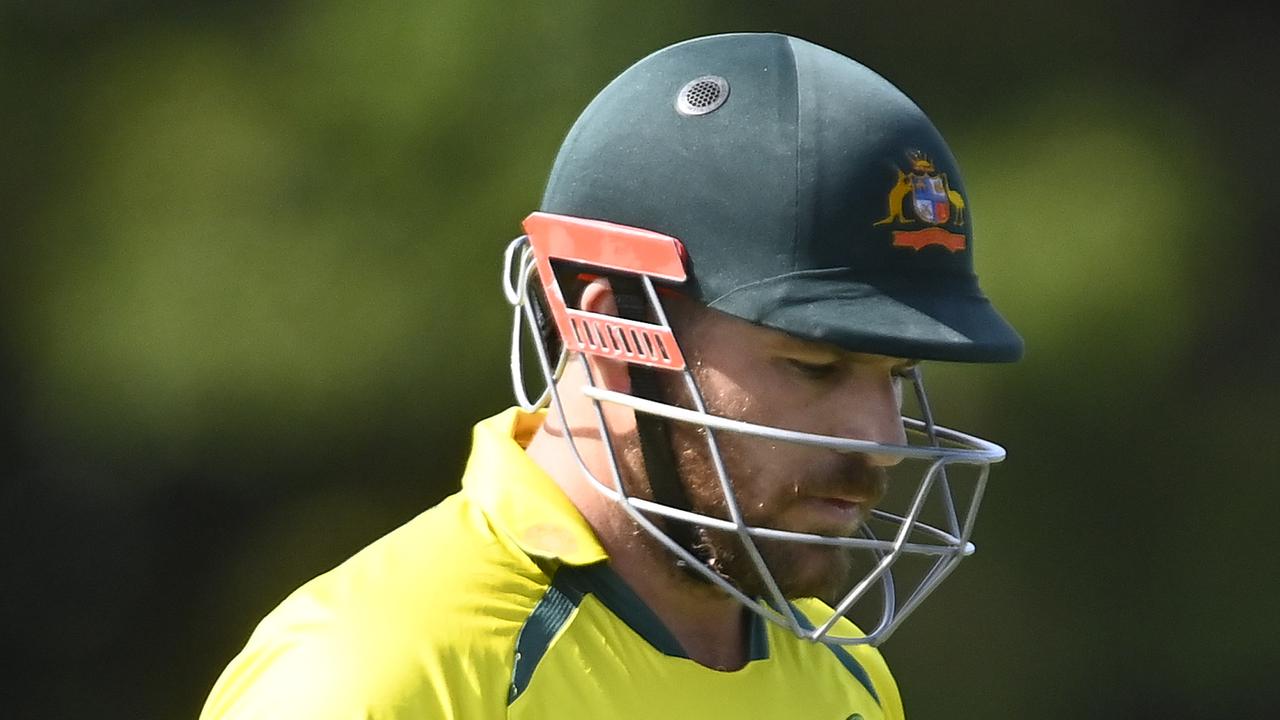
(810, 195)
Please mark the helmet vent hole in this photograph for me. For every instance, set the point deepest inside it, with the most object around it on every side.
(702, 95)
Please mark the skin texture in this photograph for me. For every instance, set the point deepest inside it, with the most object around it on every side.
(766, 377)
(752, 373)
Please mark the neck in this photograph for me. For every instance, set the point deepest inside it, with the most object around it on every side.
(707, 623)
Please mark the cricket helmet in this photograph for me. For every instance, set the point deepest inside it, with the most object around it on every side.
(782, 183)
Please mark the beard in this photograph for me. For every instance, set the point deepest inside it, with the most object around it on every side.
(766, 496)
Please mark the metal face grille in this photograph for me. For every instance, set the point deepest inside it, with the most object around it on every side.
(702, 95)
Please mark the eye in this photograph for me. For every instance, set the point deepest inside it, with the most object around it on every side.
(813, 371)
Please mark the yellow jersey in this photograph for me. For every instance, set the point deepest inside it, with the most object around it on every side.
(500, 603)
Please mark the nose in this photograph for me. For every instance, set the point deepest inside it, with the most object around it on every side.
(870, 409)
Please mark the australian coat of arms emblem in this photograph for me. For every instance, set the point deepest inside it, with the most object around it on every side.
(922, 196)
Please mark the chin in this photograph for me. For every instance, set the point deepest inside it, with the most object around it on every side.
(809, 571)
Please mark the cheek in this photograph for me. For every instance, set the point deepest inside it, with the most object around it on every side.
(743, 386)
(724, 396)
(769, 397)
(765, 475)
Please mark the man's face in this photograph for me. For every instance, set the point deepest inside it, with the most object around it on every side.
(767, 377)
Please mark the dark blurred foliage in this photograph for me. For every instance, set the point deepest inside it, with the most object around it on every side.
(251, 309)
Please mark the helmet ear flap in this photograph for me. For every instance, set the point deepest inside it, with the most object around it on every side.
(565, 247)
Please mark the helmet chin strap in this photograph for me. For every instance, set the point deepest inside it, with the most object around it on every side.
(655, 432)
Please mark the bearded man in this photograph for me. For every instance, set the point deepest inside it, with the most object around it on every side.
(747, 246)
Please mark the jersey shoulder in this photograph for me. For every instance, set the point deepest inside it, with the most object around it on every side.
(420, 623)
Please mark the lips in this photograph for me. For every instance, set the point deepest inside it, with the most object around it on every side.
(841, 501)
(833, 515)
(864, 488)
(847, 498)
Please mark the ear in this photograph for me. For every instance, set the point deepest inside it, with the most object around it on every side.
(598, 297)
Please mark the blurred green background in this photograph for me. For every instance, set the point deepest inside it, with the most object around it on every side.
(250, 309)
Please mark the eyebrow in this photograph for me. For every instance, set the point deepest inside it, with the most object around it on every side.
(811, 349)
(786, 343)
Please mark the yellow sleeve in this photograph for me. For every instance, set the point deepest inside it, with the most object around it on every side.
(373, 640)
(327, 678)
(420, 624)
